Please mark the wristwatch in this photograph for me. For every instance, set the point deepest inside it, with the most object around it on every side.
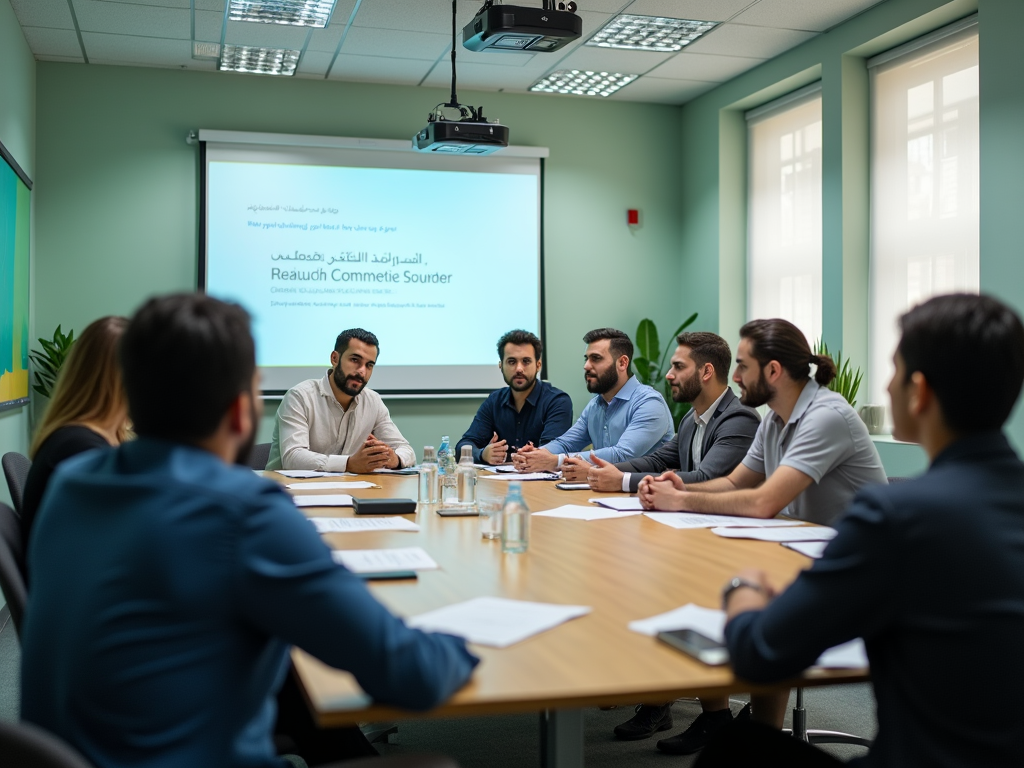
(735, 583)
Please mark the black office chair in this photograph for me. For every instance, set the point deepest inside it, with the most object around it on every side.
(260, 456)
(16, 469)
(24, 745)
(12, 565)
(817, 736)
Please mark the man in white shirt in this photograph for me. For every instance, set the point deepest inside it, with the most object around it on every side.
(336, 424)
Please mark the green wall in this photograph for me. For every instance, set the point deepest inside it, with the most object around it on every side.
(18, 134)
(117, 201)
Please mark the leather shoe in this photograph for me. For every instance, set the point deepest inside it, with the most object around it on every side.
(700, 732)
(647, 721)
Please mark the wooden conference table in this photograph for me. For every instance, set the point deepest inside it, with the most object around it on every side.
(625, 569)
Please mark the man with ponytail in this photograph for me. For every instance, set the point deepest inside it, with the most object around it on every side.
(810, 456)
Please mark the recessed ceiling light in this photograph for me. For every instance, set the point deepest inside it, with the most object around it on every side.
(582, 82)
(302, 13)
(263, 61)
(649, 33)
(205, 50)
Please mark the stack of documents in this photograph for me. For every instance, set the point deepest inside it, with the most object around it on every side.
(813, 549)
(804, 533)
(684, 520)
(323, 500)
(582, 512)
(383, 560)
(345, 486)
(355, 524)
(304, 473)
(496, 621)
(523, 476)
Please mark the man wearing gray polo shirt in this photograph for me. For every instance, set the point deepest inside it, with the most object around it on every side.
(810, 456)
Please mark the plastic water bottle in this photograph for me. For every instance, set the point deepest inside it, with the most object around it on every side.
(446, 471)
(515, 521)
(465, 475)
(429, 489)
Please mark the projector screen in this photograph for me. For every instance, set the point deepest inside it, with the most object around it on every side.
(437, 256)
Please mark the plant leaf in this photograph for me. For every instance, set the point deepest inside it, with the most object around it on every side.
(642, 368)
(647, 339)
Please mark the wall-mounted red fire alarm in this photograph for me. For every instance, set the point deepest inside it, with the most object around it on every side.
(633, 217)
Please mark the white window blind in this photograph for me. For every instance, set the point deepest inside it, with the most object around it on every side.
(784, 211)
(924, 183)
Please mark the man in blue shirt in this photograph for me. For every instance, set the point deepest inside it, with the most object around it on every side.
(625, 418)
(169, 584)
(528, 411)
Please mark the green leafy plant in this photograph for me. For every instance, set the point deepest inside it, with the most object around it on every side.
(651, 362)
(49, 361)
(848, 379)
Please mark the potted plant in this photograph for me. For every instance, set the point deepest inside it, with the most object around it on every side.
(651, 362)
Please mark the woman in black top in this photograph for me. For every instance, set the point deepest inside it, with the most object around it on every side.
(87, 410)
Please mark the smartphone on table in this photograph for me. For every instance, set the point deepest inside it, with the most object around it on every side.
(701, 647)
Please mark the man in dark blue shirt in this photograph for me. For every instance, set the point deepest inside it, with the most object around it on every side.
(169, 584)
(527, 411)
(930, 572)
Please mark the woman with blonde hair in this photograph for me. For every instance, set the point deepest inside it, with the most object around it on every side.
(88, 409)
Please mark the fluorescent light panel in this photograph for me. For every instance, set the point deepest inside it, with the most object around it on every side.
(582, 82)
(263, 61)
(301, 13)
(649, 33)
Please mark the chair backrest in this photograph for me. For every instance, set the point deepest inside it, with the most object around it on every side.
(260, 456)
(12, 565)
(16, 469)
(24, 745)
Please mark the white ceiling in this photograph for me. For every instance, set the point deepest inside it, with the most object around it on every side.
(407, 42)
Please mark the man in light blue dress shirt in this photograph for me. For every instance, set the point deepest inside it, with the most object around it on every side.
(624, 420)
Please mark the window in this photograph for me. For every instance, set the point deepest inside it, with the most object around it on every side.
(924, 182)
(784, 211)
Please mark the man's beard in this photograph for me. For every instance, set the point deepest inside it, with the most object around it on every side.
(344, 383)
(521, 387)
(758, 394)
(245, 451)
(604, 381)
(688, 390)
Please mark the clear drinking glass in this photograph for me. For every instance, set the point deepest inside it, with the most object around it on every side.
(430, 491)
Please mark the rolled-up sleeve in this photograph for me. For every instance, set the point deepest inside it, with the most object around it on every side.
(385, 430)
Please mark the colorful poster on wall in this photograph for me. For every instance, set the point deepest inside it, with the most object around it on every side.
(15, 219)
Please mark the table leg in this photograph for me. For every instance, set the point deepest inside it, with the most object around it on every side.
(561, 738)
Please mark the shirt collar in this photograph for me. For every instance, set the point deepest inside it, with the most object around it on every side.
(532, 399)
(326, 391)
(803, 402)
(705, 418)
(626, 393)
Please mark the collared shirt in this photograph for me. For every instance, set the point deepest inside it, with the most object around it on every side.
(634, 423)
(313, 431)
(826, 440)
(546, 414)
(167, 590)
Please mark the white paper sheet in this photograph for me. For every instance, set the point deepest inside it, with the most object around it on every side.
(504, 468)
(686, 520)
(355, 524)
(574, 486)
(350, 485)
(851, 655)
(581, 512)
(380, 560)
(408, 471)
(323, 500)
(496, 621)
(813, 549)
(524, 476)
(302, 473)
(806, 533)
(620, 503)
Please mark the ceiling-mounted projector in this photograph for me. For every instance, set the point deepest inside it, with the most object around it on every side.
(509, 28)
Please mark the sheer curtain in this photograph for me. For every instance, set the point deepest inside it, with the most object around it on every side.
(924, 183)
(784, 211)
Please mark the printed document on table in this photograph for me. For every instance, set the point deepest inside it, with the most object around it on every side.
(813, 549)
(524, 476)
(806, 533)
(346, 486)
(619, 503)
(851, 655)
(685, 520)
(303, 473)
(496, 621)
(380, 560)
(504, 468)
(355, 524)
(581, 512)
(323, 500)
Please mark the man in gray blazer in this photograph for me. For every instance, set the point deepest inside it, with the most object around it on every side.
(714, 435)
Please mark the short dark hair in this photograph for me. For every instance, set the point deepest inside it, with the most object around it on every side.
(780, 340)
(711, 348)
(520, 337)
(944, 334)
(619, 343)
(184, 360)
(341, 343)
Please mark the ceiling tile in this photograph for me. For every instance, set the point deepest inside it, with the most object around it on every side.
(314, 63)
(415, 15)
(264, 35)
(484, 77)
(208, 26)
(613, 7)
(70, 59)
(211, 5)
(396, 44)
(377, 69)
(164, 3)
(43, 13)
(658, 91)
(709, 68)
(129, 49)
(611, 60)
(698, 10)
(52, 42)
(816, 15)
(756, 42)
(136, 20)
